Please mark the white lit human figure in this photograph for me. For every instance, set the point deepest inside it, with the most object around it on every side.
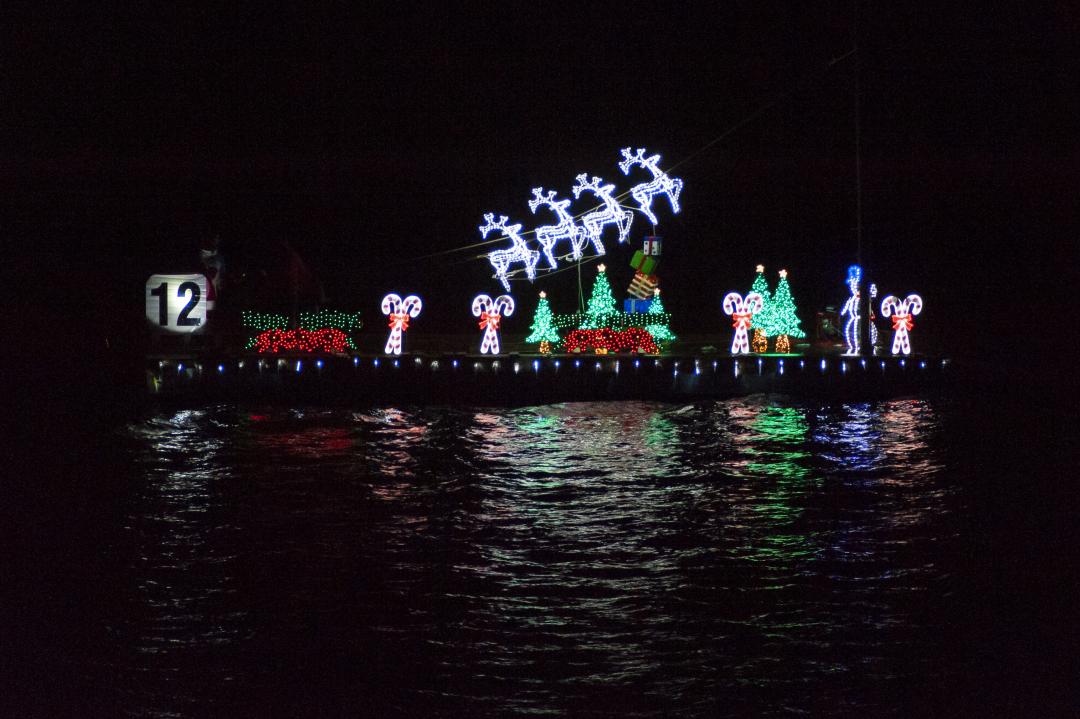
(742, 310)
(399, 311)
(566, 229)
(610, 213)
(902, 311)
(490, 313)
(873, 327)
(517, 252)
(851, 309)
(661, 184)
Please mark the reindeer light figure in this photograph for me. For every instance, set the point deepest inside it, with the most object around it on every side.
(517, 252)
(661, 184)
(490, 313)
(548, 235)
(851, 309)
(901, 311)
(742, 310)
(611, 212)
(399, 310)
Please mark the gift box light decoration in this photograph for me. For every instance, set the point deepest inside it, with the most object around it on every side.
(851, 310)
(517, 252)
(902, 311)
(566, 229)
(742, 310)
(543, 328)
(611, 212)
(399, 311)
(490, 313)
(661, 184)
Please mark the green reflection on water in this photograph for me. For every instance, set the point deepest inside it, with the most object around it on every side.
(778, 464)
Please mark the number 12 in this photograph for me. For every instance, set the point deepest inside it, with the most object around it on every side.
(182, 320)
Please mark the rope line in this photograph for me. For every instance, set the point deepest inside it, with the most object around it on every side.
(724, 135)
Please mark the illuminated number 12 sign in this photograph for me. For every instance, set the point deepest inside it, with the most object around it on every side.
(176, 303)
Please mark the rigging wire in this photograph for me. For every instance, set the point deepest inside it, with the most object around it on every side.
(719, 138)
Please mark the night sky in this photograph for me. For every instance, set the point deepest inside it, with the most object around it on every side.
(369, 139)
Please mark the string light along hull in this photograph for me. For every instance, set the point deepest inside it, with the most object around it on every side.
(469, 379)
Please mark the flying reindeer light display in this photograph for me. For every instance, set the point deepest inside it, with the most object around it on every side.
(611, 212)
(399, 310)
(742, 310)
(490, 313)
(851, 309)
(901, 311)
(517, 252)
(548, 235)
(661, 183)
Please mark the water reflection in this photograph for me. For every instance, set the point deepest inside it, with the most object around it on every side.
(622, 559)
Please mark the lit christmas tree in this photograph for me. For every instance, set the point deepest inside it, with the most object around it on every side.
(782, 320)
(660, 332)
(601, 310)
(760, 321)
(542, 329)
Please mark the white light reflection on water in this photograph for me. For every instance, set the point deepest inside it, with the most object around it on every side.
(458, 557)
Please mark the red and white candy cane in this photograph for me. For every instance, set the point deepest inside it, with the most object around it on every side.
(399, 310)
(490, 313)
(742, 310)
(901, 311)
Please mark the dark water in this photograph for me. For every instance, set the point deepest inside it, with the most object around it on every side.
(757, 556)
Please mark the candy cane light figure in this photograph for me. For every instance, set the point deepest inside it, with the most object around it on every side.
(851, 309)
(399, 310)
(742, 310)
(901, 311)
(490, 313)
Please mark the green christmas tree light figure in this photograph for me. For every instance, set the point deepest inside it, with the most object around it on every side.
(601, 309)
(782, 320)
(660, 331)
(542, 329)
(760, 321)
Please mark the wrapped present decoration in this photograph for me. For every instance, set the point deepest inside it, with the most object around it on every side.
(642, 263)
(638, 306)
(651, 247)
(642, 286)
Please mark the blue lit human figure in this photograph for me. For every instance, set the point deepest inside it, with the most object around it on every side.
(851, 309)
